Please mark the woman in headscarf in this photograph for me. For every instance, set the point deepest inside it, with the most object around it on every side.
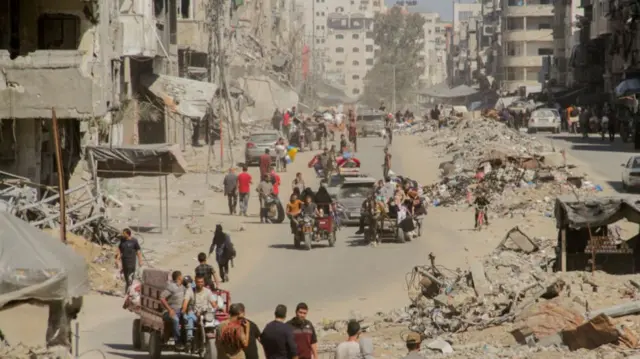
(308, 192)
(324, 201)
(225, 251)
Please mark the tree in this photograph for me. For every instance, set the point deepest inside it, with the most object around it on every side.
(400, 37)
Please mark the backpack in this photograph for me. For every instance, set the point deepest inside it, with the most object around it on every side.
(229, 250)
(229, 335)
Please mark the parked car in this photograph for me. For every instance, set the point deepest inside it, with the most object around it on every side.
(544, 119)
(631, 173)
(258, 142)
(352, 192)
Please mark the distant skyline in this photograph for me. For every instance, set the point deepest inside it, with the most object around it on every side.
(444, 8)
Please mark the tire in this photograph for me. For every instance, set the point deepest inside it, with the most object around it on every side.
(136, 334)
(307, 241)
(332, 239)
(155, 345)
(400, 236)
(624, 186)
(210, 350)
(280, 213)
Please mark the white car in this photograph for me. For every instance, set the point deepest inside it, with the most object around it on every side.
(544, 119)
(631, 173)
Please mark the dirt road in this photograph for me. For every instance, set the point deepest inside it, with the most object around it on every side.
(333, 281)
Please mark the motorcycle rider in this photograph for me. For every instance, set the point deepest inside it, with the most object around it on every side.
(294, 207)
(197, 302)
(310, 208)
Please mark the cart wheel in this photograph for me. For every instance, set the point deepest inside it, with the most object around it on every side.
(332, 239)
(155, 345)
(136, 334)
(210, 350)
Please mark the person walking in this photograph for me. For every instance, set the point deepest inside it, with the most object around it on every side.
(413, 341)
(251, 351)
(225, 251)
(277, 337)
(351, 348)
(128, 252)
(386, 164)
(286, 124)
(304, 333)
(207, 272)
(244, 189)
(234, 335)
(265, 189)
(230, 186)
(265, 162)
(298, 183)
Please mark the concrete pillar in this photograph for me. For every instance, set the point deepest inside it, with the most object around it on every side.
(28, 143)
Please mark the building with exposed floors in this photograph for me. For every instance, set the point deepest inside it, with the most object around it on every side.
(527, 38)
(434, 54)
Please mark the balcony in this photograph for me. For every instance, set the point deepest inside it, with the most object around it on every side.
(31, 85)
(528, 10)
(138, 29)
(528, 35)
(522, 61)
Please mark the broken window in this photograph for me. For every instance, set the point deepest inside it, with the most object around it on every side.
(185, 9)
(58, 32)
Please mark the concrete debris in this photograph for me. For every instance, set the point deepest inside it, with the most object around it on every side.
(20, 351)
(84, 210)
(520, 173)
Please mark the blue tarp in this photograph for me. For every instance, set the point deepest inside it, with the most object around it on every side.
(628, 87)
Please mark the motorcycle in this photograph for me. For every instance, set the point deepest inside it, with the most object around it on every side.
(304, 234)
(275, 210)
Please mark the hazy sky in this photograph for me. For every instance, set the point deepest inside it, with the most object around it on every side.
(443, 7)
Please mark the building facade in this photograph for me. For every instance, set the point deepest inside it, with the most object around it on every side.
(434, 54)
(527, 36)
(341, 41)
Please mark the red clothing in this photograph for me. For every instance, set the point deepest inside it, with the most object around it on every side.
(286, 119)
(244, 182)
(276, 184)
(265, 164)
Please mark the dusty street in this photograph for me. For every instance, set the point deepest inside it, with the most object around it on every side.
(604, 157)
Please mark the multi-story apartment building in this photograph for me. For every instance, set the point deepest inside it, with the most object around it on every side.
(466, 18)
(527, 38)
(566, 37)
(434, 54)
(341, 40)
(82, 59)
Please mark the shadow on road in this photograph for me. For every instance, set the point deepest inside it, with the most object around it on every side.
(293, 247)
(594, 143)
(120, 346)
(143, 355)
(617, 186)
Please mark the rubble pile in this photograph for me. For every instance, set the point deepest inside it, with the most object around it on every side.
(516, 285)
(21, 198)
(520, 173)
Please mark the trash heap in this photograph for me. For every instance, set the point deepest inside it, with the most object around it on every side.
(515, 284)
(520, 173)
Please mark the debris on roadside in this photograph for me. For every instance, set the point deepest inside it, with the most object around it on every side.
(520, 173)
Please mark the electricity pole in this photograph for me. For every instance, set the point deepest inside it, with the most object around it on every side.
(393, 103)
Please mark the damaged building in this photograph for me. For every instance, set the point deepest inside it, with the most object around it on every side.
(54, 55)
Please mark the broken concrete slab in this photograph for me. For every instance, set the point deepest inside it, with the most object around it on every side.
(440, 345)
(480, 283)
(520, 239)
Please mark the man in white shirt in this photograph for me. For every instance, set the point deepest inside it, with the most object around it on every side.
(351, 348)
(199, 301)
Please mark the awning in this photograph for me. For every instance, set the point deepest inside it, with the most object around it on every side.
(595, 212)
(628, 87)
(159, 159)
(186, 97)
